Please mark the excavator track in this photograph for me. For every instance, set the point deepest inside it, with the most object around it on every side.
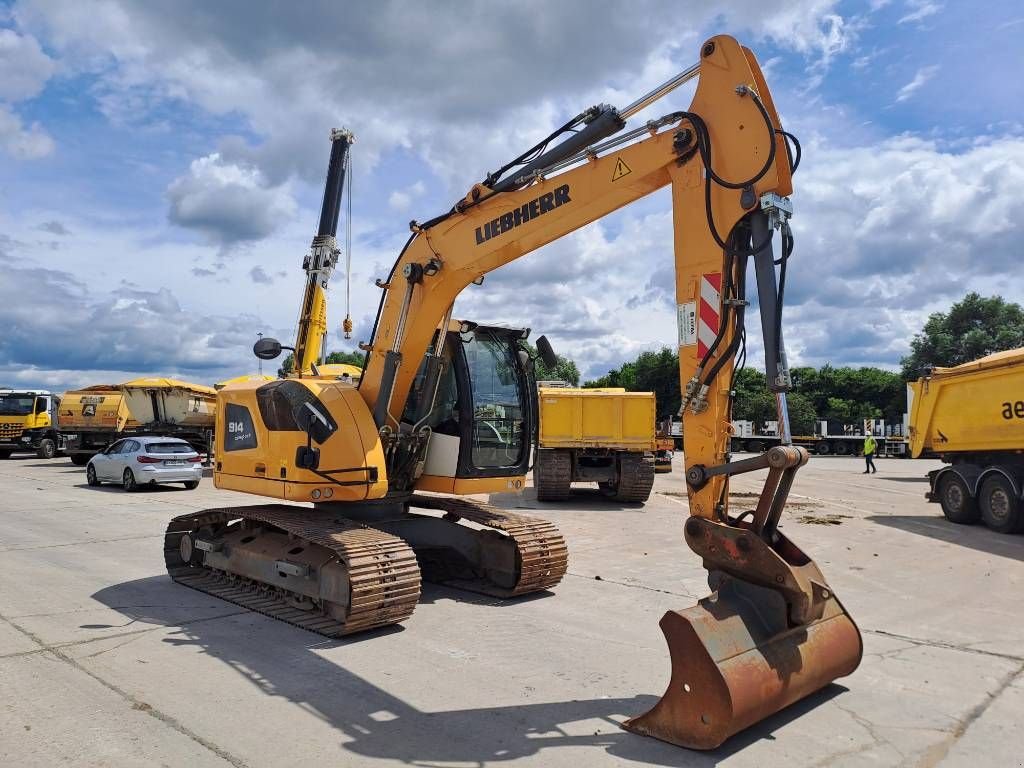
(541, 554)
(552, 474)
(383, 575)
(636, 478)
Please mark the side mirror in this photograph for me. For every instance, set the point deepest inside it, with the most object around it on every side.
(547, 354)
(524, 359)
(313, 422)
(267, 348)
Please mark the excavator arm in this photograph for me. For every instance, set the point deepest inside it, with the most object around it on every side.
(772, 631)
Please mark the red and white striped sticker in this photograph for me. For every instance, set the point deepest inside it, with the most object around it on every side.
(709, 312)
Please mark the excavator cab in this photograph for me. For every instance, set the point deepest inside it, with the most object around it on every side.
(481, 413)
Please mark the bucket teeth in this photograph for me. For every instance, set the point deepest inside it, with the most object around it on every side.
(736, 660)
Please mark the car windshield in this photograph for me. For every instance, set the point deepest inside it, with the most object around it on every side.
(16, 405)
(169, 448)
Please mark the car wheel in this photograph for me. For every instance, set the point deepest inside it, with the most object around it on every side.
(191, 484)
(90, 476)
(1000, 508)
(957, 503)
(128, 480)
(79, 459)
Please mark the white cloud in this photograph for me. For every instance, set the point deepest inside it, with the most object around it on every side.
(228, 203)
(401, 199)
(24, 65)
(921, 77)
(21, 142)
(919, 9)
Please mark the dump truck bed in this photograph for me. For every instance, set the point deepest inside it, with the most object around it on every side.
(596, 418)
(167, 401)
(98, 408)
(974, 407)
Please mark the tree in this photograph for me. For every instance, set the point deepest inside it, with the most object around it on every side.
(974, 327)
(349, 358)
(565, 370)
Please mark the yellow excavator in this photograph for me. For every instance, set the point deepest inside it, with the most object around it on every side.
(444, 409)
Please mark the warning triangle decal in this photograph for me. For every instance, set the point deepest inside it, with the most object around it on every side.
(621, 169)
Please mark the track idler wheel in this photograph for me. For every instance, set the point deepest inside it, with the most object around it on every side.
(736, 660)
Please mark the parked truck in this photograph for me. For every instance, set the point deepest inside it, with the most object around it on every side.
(28, 419)
(91, 418)
(972, 417)
(94, 417)
(603, 436)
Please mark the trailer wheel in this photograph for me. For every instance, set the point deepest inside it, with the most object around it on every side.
(840, 448)
(79, 459)
(823, 448)
(957, 503)
(1000, 508)
(47, 449)
(755, 446)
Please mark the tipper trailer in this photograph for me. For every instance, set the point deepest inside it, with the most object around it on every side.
(972, 417)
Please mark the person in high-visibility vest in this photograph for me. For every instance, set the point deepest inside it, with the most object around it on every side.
(869, 453)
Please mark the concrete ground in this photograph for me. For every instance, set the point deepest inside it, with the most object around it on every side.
(104, 661)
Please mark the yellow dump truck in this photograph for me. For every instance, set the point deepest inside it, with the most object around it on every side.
(27, 423)
(91, 418)
(603, 436)
(972, 417)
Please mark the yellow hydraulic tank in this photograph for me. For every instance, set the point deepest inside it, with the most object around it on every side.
(596, 418)
(977, 406)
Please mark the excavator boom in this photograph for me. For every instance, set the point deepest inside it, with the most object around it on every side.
(772, 631)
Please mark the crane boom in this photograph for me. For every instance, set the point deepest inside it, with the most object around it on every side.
(322, 258)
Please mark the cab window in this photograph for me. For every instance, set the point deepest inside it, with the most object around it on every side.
(498, 439)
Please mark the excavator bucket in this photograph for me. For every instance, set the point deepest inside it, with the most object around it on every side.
(737, 660)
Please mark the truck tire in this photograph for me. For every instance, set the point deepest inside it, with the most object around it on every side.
(1000, 507)
(841, 448)
(955, 498)
(552, 475)
(79, 459)
(636, 478)
(5, 454)
(47, 449)
(823, 448)
(755, 446)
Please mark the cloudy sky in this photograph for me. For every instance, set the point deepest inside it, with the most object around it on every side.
(161, 166)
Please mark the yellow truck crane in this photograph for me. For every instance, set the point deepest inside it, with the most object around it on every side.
(444, 406)
(972, 416)
(28, 423)
(603, 436)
